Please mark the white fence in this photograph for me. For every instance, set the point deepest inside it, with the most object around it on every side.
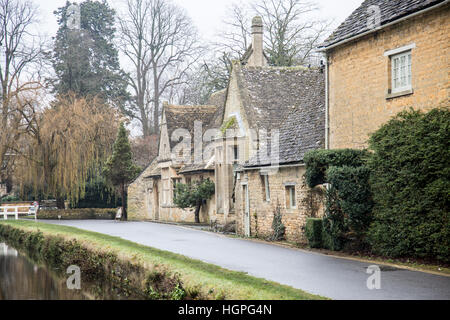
(30, 210)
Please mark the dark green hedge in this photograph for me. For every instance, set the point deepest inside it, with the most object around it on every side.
(318, 161)
(348, 198)
(349, 203)
(411, 186)
(313, 232)
(77, 214)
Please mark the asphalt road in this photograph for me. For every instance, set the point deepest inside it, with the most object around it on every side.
(331, 277)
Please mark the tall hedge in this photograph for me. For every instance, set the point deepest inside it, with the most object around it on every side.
(349, 200)
(318, 161)
(410, 181)
(349, 206)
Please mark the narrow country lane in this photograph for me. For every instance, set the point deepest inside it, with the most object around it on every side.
(332, 277)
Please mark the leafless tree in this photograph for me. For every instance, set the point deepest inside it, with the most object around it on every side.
(20, 51)
(162, 45)
(291, 32)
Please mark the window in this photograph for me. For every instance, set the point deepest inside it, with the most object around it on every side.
(235, 154)
(266, 187)
(401, 72)
(290, 197)
(175, 181)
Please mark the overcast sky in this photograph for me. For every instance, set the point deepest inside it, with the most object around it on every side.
(206, 14)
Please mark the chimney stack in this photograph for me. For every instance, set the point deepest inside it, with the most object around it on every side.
(257, 59)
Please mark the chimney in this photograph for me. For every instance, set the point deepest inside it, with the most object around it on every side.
(257, 59)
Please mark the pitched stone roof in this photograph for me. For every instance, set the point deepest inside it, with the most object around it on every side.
(269, 94)
(217, 99)
(211, 117)
(184, 117)
(152, 170)
(390, 10)
(291, 100)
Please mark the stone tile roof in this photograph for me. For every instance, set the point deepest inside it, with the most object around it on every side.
(191, 168)
(390, 10)
(184, 117)
(269, 94)
(152, 170)
(217, 99)
(291, 100)
(210, 115)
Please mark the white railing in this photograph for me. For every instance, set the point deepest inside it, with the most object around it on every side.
(32, 210)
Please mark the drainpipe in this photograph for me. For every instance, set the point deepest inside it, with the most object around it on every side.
(327, 99)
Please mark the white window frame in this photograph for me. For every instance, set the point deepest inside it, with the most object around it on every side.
(399, 53)
(292, 196)
(401, 73)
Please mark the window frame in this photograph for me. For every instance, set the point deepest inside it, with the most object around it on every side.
(290, 194)
(266, 187)
(175, 181)
(397, 73)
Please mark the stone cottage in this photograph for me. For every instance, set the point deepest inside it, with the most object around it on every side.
(289, 103)
(254, 136)
(387, 56)
(150, 196)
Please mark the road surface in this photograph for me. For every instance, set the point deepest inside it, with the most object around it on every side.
(332, 277)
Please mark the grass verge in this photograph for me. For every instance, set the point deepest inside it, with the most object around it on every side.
(196, 279)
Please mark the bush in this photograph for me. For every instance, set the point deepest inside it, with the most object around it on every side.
(9, 198)
(348, 198)
(349, 204)
(98, 195)
(410, 181)
(318, 161)
(313, 232)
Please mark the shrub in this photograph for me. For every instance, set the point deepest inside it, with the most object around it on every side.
(9, 198)
(194, 195)
(98, 195)
(411, 186)
(348, 198)
(318, 161)
(349, 204)
(313, 232)
(277, 225)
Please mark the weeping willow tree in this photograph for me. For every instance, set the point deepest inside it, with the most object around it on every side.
(67, 145)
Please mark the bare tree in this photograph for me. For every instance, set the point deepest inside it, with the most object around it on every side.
(20, 50)
(162, 44)
(291, 33)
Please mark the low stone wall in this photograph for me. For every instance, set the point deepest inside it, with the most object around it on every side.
(77, 214)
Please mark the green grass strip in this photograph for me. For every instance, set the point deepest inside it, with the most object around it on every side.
(212, 281)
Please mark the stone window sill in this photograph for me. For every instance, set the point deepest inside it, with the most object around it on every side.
(399, 94)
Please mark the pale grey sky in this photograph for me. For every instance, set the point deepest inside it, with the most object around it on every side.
(206, 14)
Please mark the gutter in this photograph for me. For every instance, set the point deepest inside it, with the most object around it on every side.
(274, 167)
(324, 49)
